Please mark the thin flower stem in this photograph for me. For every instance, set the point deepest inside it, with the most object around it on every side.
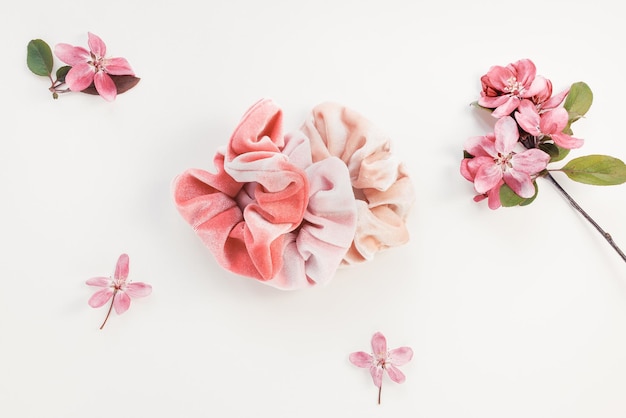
(110, 308)
(576, 206)
(380, 389)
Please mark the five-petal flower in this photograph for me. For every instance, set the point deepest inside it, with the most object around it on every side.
(117, 288)
(92, 67)
(382, 359)
(495, 159)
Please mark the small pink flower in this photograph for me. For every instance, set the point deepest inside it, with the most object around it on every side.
(92, 67)
(495, 159)
(504, 87)
(383, 359)
(117, 289)
(547, 123)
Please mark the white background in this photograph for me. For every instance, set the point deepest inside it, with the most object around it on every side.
(512, 313)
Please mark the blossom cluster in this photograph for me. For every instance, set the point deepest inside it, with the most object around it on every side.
(532, 129)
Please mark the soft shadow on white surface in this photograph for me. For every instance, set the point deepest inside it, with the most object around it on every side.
(517, 312)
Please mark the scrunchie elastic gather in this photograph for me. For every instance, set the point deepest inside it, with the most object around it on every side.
(269, 212)
(382, 188)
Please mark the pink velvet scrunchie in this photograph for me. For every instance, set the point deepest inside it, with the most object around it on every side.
(382, 188)
(270, 212)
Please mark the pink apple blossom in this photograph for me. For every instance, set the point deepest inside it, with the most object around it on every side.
(381, 360)
(504, 87)
(117, 289)
(92, 67)
(547, 123)
(495, 159)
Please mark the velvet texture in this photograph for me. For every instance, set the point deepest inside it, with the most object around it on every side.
(382, 188)
(288, 210)
(269, 212)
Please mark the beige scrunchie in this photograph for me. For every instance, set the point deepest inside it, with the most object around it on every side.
(382, 188)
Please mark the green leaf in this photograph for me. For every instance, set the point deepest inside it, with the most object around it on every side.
(39, 57)
(555, 152)
(599, 170)
(62, 72)
(551, 149)
(578, 101)
(509, 198)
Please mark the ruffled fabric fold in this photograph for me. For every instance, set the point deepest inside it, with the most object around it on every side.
(382, 188)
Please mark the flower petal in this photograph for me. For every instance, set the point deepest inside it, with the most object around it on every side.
(537, 88)
(121, 302)
(96, 45)
(530, 161)
(491, 102)
(487, 177)
(121, 268)
(528, 117)
(379, 345)
(493, 197)
(99, 281)
(377, 375)
(555, 100)
(520, 183)
(400, 356)
(499, 77)
(105, 86)
(118, 66)
(507, 134)
(525, 71)
(554, 121)
(361, 359)
(71, 55)
(79, 77)
(100, 297)
(481, 146)
(466, 170)
(567, 141)
(138, 289)
(542, 87)
(505, 109)
(395, 374)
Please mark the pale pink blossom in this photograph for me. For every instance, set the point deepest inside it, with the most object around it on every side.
(495, 159)
(381, 360)
(547, 123)
(92, 67)
(117, 289)
(504, 87)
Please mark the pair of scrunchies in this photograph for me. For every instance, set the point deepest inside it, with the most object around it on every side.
(289, 209)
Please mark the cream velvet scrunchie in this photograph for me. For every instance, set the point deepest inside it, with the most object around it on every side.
(382, 188)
